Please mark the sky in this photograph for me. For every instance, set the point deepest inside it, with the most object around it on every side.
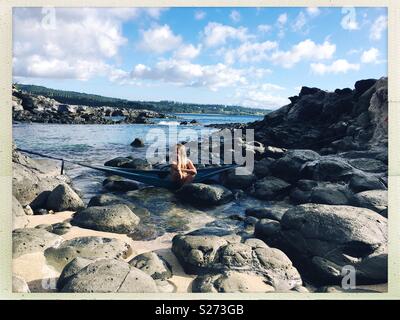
(254, 57)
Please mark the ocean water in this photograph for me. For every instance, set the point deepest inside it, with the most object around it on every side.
(95, 144)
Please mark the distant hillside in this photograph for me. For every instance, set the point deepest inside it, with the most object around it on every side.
(93, 100)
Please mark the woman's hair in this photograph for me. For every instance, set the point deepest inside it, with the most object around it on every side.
(181, 155)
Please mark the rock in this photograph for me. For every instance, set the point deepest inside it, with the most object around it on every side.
(274, 212)
(363, 85)
(137, 143)
(327, 169)
(120, 185)
(88, 248)
(239, 181)
(337, 289)
(267, 229)
(368, 165)
(270, 188)
(288, 167)
(230, 282)
(110, 275)
(372, 199)
(274, 152)
(41, 212)
(61, 228)
(40, 201)
(32, 177)
(19, 285)
(117, 162)
(71, 269)
(204, 195)
(325, 238)
(19, 218)
(113, 218)
(362, 182)
(63, 198)
(261, 168)
(32, 240)
(140, 164)
(153, 265)
(212, 254)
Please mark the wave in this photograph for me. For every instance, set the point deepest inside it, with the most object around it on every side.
(169, 123)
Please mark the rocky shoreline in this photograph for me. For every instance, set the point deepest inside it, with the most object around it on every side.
(28, 107)
(315, 204)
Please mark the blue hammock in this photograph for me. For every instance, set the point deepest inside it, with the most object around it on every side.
(157, 178)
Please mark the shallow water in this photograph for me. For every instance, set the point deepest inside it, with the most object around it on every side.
(95, 144)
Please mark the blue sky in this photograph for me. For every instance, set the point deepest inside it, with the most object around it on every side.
(254, 57)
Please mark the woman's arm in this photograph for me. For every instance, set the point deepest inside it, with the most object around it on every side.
(191, 169)
(175, 170)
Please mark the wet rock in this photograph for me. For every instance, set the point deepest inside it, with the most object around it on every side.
(270, 188)
(120, 185)
(136, 163)
(137, 143)
(63, 198)
(201, 194)
(32, 240)
(325, 238)
(230, 282)
(153, 265)
(110, 275)
(19, 218)
(274, 212)
(113, 218)
(262, 167)
(19, 285)
(117, 162)
(372, 199)
(88, 248)
(267, 229)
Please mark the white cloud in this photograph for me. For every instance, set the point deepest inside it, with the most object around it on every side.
(216, 34)
(160, 39)
(185, 73)
(299, 23)
(200, 15)
(261, 96)
(235, 16)
(187, 52)
(249, 52)
(304, 50)
(282, 19)
(264, 28)
(370, 56)
(378, 27)
(313, 11)
(76, 46)
(338, 66)
(349, 20)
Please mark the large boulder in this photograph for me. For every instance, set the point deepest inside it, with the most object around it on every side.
(63, 198)
(137, 143)
(129, 162)
(20, 219)
(32, 240)
(273, 211)
(115, 183)
(113, 218)
(320, 192)
(88, 248)
(270, 188)
(214, 254)
(70, 269)
(288, 167)
(32, 177)
(239, 181)
(327, 169)
(325, 238)
(201, 194)
(362, 182)
(110, 275)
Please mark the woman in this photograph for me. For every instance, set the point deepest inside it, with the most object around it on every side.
(182, 170)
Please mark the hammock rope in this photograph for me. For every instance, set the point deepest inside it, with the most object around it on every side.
(158, 178)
